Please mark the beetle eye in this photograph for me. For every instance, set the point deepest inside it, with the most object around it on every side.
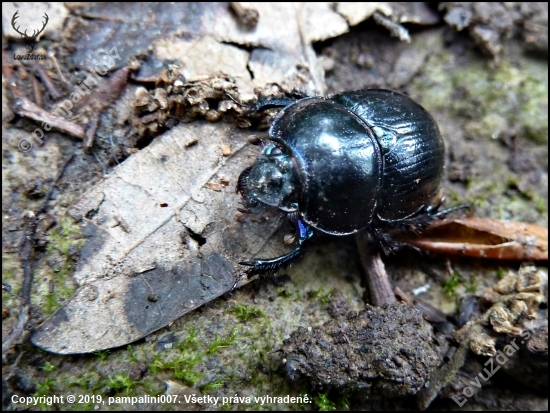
(276, 151)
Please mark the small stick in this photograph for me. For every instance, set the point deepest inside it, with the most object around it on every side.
(36, 91)
(377, 279)
(107, 92)
(27, 109)
(47, 81)
(59, 71)
(90, 133)
(20, 330)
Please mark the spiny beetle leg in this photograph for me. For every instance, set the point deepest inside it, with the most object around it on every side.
(262, 265)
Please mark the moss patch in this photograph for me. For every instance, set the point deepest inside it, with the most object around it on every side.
(492, 98)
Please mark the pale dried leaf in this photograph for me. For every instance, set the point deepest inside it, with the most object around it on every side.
(142, 267)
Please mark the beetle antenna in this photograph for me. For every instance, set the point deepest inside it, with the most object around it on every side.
(235, 100)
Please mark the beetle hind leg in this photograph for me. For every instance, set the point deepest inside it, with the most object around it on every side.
(442, 214)
(416, 223)
(424, 218)
(263, 265)
(388, 245)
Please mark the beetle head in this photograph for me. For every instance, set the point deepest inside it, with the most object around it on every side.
(272, 180)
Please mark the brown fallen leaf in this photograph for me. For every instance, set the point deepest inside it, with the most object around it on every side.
(484, 238)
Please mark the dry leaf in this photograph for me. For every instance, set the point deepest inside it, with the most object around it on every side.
(484, 238)
(145, 265)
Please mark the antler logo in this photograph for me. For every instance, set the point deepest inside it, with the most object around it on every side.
(24, 35)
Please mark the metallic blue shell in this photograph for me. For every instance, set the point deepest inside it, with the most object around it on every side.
(361, 156)
(339, 163)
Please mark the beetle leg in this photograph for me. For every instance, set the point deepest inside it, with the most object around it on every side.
(420, 221)
(271, 103)
(442, 214)
(387, 244)
(261, 265)
(242, 181)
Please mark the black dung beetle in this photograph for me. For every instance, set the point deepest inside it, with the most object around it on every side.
(365, 160)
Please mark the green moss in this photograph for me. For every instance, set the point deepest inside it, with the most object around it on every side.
(324, 403)
(102, 354)
(501, 273)
(154, 387)
(121, 382)
(491, 98)
(6, 299)
(534, 108)
(64, 235)
(325, 298)
(55, 300)
(89, 381)
(284, 292)
(452, 283)
(246, 312)
(542, 206)
(453, 198)
(321, 295)
(48, 367)
(45, 387)
(9, 268)
(221, 342)
(189, 343)
(184, 359)
(132, 353)
(188, 376)
(216, 384)
(60, 239)
(472, 285)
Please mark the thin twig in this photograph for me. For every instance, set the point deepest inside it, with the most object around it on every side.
(13, 368)
(36, 91)
(20, 330)
(59, 71)
(90, 133)
(377, 279)
(27, 109)
(55, 94)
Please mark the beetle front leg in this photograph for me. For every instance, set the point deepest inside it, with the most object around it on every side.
(261, 265)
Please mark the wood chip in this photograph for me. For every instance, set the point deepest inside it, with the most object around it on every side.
(214, 186)
(226, 150)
